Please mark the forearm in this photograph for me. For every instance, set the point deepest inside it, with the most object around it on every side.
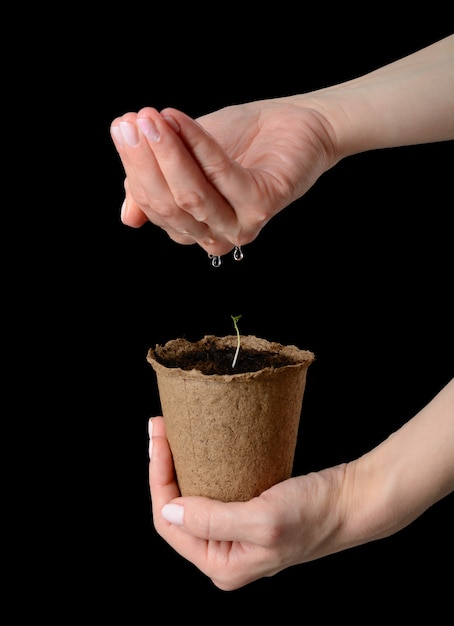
(397, 481)
(410, 101)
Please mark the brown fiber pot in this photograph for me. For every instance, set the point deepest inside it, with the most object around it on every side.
(232, 435)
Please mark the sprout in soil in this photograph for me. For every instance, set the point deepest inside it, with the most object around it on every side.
(235, 323)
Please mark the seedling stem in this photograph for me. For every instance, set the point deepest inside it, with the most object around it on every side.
(235, 319)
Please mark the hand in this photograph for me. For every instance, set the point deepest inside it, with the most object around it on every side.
(239, 542)
(218, 181)
(311, 516)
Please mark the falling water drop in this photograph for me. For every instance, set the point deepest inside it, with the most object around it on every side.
(215, 260)
(238, 253)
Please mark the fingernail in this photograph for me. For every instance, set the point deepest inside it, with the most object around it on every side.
(116, 134)
(171, 121)
(150, 436)
(129, 133)
(148, 128)
(123, 210)
(173, 513)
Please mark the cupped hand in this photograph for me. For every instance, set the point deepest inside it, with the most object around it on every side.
(217, 181)
(236, 543)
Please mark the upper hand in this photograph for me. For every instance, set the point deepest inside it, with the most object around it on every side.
(218, 181)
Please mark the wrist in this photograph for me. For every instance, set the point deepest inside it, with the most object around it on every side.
(393, 484)
(405, 103)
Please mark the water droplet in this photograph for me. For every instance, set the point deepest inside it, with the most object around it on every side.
(215, 260)
(238, 253)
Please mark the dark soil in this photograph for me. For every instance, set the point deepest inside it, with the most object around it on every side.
(212, 360)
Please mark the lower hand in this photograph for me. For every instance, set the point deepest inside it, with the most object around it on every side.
(236, 543)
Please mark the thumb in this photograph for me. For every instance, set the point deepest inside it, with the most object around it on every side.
(131, 214)
(218, 521)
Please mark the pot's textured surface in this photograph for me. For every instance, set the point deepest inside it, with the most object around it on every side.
(232, 435)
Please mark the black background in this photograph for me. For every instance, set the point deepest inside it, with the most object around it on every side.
(359, 271)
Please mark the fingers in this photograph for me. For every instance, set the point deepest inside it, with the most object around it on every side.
(138, 160)
(162, 479)
(131, 214)
(164, 489)
(163, 482)
(233, 180)
(157, 427)
(168, 185)
(204, 531)
(146, 189)
(187, 177)
(249, 522)
(200, 517)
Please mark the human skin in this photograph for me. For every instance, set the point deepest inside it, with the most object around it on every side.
(216, 181)
(311, 516)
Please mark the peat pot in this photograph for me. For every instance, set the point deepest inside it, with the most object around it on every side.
(232, 430)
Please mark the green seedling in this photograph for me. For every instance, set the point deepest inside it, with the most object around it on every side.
(235, 319)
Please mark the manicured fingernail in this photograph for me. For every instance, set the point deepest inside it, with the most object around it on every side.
(150, 435)
(173, 513)
(148, 128)
(123, 210)
(171, 121)
(116, 134)
(129, 133)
